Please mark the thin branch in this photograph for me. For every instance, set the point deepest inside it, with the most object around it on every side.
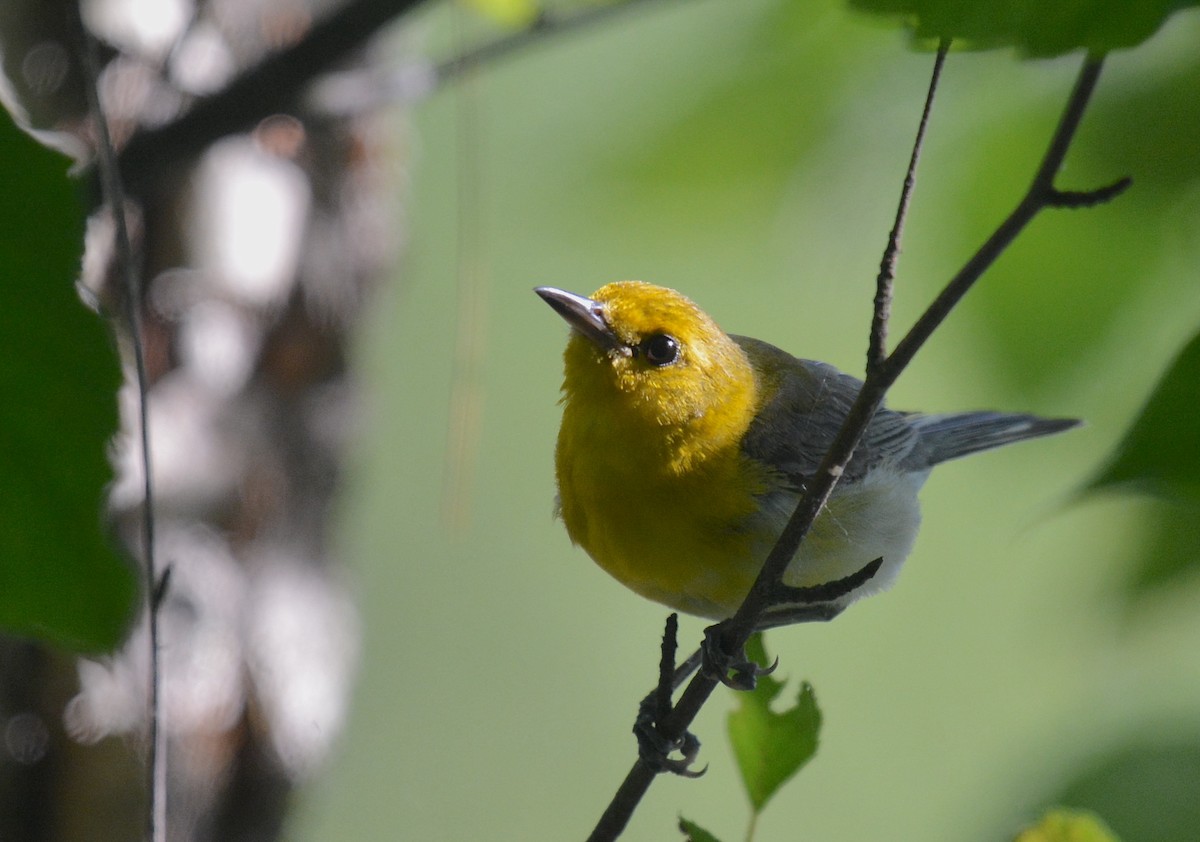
(362, 91)
(1042, 194)
(877, 346)
(666, 666)
(279, 80)
(272, 84)
(686, 668)
(1072, 199)
(113, 189)
(547, 23)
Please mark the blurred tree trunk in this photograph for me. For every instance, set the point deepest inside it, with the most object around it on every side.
(260, 223)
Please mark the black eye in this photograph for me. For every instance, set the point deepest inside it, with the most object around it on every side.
(660, 349)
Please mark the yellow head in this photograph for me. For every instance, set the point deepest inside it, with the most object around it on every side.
(650, 362)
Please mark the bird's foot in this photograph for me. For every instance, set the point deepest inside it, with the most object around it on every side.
(731, 668)
(826, 592)
(815, 603)
(655, 748)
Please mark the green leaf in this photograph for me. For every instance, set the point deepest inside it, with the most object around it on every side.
(771, 747)
(60, 578)
(1036, 29)
(1160, 454)
(1145, 788)
(1062, 825)
(694, 832)
(1169, 553)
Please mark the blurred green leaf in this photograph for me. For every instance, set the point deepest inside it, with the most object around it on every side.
(694, 832)
(1061, 825)
(1036, 29)
(771, 747)
(1073, 277)
(1161, 452)
(730, 137)
(1171, 551)
(60, 578)
(1146, 791)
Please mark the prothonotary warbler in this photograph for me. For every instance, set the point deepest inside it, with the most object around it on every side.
(683, 451)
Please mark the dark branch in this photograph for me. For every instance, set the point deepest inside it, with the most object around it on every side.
(272, 85)
(666, 667)
(280, 80)
(1041, 194)
(1090, 198)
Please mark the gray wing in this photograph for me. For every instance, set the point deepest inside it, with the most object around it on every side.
(800, 419)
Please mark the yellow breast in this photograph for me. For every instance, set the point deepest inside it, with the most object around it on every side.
(677, 537)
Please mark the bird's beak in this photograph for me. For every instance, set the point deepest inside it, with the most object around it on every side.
(584, 315)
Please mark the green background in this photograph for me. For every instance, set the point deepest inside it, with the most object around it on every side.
(750, 155)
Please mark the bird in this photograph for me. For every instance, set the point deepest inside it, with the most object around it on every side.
(683, 451)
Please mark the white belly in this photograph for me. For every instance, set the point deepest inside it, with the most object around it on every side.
(876, 517)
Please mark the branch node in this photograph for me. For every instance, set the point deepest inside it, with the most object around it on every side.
(161, 588)
(1072, 199)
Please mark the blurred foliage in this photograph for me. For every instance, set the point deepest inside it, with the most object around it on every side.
(771, 747)
(1067, 826)
(1102, 256)
(1160, 456)
(60, 578)
(1170, 556)
(703, 152)
(1146, 791)
(1161, 452)
(1036, 29)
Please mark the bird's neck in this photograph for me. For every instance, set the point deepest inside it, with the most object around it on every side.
(714, 435)
(653, 438)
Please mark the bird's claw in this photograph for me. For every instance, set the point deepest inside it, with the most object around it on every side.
(829, 592)
(655, 749)
(734, 670)
(744, 674)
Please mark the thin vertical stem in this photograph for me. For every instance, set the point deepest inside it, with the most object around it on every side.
(884, 283)
(114, 193)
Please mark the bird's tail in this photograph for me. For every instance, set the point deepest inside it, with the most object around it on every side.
(947, 437)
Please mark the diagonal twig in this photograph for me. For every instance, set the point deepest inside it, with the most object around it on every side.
(548, 22)
(279, 80)
(271, 85)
